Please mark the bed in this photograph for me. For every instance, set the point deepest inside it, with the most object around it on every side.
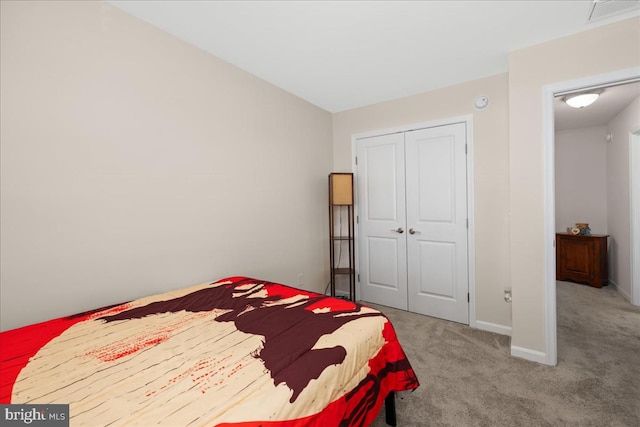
(234, 352)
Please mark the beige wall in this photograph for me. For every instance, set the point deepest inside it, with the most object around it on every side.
(491, 180)
(601, 50)
(133, 163)
(619, 220)
(581, 178)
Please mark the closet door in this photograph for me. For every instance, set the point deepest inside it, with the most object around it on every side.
(436, 200)
(381, 220)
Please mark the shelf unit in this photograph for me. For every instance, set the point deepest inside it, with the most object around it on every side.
(341, 231)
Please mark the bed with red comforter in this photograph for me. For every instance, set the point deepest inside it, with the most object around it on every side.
(235, 352)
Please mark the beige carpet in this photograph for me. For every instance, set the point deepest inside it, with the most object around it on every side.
(468, 377)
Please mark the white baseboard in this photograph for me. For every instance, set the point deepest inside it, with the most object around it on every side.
(339, 293)
(626, 295)
(493, 327)
(343, 294)
(528, 354)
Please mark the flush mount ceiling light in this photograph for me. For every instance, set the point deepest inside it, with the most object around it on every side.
(581, 100)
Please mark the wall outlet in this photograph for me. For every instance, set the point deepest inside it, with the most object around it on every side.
(507, 295)
(300, 279)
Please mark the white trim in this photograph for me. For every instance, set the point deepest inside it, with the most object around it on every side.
(634, 206)
(342, 294)
(471, 247)
(598, 86)
(356, 237)
(550, 326)
(471, 230)
(416, 126)
(528, 354)
(493, 327)
(622, 292)
(548, 92)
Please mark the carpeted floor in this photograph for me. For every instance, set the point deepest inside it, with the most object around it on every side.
(468, 378)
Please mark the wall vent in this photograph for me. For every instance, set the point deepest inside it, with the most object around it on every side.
(603, 9)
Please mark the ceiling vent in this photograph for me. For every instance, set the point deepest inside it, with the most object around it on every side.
(603, 9)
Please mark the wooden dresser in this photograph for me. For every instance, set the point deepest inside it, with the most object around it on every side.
(582, 259)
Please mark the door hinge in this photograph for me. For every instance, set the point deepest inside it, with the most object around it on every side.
(467, 223)
(358, 277)
(356, 160)
(357, 219)
(468, 297)
(465, 148)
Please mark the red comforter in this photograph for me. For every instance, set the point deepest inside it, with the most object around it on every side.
(236, 352)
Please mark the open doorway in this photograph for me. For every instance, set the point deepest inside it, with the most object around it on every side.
(551, 92)
(593, 179)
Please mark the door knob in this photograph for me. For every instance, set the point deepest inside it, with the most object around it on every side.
(399, 230)
(412, 231)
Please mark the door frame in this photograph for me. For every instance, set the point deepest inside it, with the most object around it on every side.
(549, 92)
(634, 202)
(471, 247)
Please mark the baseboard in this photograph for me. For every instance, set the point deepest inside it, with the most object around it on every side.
(528, 354)
(622, 292)
(339, 293)
(493, 327)
(342, 294)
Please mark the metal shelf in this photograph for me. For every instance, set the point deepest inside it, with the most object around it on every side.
(341, 233)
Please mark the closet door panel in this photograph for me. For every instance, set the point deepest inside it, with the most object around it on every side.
(382, 220)
(437, 222)
(435, 190)
(383, 274)
(437, 269)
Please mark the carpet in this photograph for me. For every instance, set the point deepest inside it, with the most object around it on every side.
(468, 377)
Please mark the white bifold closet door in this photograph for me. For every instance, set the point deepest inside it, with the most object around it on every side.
(412, 221)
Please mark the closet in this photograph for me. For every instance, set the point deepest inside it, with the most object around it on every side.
(412, 220)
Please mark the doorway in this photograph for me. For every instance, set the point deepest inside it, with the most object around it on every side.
(413, 198)
(549, 93)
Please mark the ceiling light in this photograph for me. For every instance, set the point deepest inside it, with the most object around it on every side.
(581, 100)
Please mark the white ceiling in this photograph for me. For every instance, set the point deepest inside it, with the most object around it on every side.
(341, 55)
(612, 101)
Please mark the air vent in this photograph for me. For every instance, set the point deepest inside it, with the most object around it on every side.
(603, 9)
